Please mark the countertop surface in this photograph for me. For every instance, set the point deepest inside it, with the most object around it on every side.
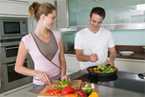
(127, 85)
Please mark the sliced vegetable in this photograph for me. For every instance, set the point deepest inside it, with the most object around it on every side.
(102, 69)
(94, 94)
(53, 92)
(81, 93)
(68, 90)
(87, 88)
(62, 84)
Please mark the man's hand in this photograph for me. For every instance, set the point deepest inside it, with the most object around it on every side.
(93, 58)
(110, 62)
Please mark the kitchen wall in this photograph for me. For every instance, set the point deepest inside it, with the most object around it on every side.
(129, 37)
(116, 11)
(123, 11)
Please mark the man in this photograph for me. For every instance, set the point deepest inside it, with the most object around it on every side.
(93, 43)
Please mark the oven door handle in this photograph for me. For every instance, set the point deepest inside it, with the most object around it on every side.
(11, 64)
(8, 48)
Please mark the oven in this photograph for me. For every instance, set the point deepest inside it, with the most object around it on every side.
(11, 32)
(11, 79)
(9, 50)
(11, 27)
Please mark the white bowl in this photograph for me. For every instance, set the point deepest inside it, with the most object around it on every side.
(126, 53)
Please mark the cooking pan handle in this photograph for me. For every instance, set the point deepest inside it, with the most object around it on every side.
(141, 75)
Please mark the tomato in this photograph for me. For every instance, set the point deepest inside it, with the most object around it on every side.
(81, 93)
(54, 92)
(68, 90)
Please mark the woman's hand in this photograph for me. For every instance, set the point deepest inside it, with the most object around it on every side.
(42, 76)
(65, 77)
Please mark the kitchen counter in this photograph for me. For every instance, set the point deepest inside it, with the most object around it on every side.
(127, 85)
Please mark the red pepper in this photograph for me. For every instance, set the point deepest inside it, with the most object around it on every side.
(68, 90)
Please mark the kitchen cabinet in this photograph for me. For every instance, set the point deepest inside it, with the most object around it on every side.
(17, 8)
(50, 1)
(20, 0)
(72, 63)
(62, 13)
(130, 65)
(13, 8)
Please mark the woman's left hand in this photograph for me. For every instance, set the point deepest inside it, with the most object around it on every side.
(65, 77)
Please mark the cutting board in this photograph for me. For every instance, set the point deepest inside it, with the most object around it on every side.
(75, 84)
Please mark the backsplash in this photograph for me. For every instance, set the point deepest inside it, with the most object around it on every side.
(79, 15)
(129, 37)
(117, 11)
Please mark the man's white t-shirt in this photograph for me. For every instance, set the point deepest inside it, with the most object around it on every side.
(94, 43)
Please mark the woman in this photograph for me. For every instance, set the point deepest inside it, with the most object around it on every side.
(44, 46)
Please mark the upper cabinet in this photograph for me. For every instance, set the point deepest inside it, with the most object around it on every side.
(14, 8)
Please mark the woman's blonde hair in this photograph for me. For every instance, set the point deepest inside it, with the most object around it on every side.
(37, 9)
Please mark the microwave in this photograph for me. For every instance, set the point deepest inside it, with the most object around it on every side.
(10, 26)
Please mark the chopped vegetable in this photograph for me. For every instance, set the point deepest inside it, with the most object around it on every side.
(62, 84)
(102, 69)
(87, 88)
(94, 94)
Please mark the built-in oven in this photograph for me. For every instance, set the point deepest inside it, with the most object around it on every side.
(10, 26)
(11, 79)
(11, 31)
(11, 50)
(8, 51)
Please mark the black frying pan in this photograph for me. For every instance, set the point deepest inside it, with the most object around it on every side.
(102, 76)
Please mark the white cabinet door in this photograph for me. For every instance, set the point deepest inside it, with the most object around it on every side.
(40, 1)
(130, 65)
(13, 8)
(72, 63)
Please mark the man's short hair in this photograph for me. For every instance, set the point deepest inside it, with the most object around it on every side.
(98, 10)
